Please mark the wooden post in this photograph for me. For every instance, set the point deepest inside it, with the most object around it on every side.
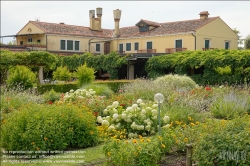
(40, 75)
(189, 155)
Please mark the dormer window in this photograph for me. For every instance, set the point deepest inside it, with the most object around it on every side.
(145, 26)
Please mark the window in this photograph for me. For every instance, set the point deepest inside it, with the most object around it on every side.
(149, 45)
(143, 28)
(97, 47)
(207, 43)
(21, 42)
(63, 44)
(136, 46)
(70, 45)
(227, 45)
(29, 40)
(77, 46)
(178, 43)
(121, 47)
(38, 41)
(128, 46)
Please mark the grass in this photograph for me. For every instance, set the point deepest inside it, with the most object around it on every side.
(89, 155)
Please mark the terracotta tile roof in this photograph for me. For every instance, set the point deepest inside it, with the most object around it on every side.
(150, 23)
(64, 29)
(125, 32)
(166, 28)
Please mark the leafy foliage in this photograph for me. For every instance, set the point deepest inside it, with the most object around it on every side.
(49, 127)
(85, 75)
(62, 74)
(22, 76)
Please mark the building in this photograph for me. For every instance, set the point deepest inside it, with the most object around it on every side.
(143, 40)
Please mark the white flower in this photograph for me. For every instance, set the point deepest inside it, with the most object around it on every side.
(143, 111)
(99, 119)
(155, 105)
(152, 132)
(166, 126)
(105, 123)
(115, 110)
(105, 111)
(142, 104)
(133, 125)
(129, 109)
(144, 134)
(71, 91)
(166, 119)
(115, 104)
(112, 127)
(80, 97)
(147, 127)
(139, 101)
(154, 117)
(115, 116)
(154, 111)
(109, 107)
(148, 109)
(124, 116)
(141, 127)
(134, 106)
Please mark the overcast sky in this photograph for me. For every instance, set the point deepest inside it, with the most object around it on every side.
(16, 14)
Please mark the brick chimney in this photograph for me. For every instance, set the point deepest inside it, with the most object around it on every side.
(117, 17)
(204, 15)
(95, 23)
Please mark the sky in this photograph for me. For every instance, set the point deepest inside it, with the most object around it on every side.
(16, 14)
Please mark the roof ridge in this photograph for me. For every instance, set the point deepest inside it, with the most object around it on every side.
(189, 20)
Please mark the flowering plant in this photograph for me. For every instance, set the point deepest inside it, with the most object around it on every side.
(78, 94)
(140, 118)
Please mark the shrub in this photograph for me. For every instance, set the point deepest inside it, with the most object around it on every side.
(49, 127)
(21, 75)
(51, 96)
(101, 90)
(85, 75)
(224, 143)
(62, 88)
(177, 82)
(62, 74)
(229, 106)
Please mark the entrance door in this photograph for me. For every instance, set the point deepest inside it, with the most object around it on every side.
(106, 47)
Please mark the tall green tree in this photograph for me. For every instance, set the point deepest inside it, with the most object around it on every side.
(240, 41)
(247, 42)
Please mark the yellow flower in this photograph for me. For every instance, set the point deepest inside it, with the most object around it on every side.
(45, 138)
(33, 143)
(141, 140)
(121, 136)
(91, 132)
(37, 148)
(117, 140)
(185, 139)
(148, 140)
(159, 137)
(176, 141)
(192, 124)
(189, 118)
(136, 154)
(139, 148)
(134, 141)
(126, 142)
(109, 154)
(140, 136)
(162, 145)
(197, 122)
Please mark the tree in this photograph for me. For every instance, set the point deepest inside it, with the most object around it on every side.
(240, 41)
(247, 42)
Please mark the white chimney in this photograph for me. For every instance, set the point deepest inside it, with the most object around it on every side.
(117, 17)
(99, 16)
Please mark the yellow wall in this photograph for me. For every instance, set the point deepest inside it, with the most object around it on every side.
(41, 37)
(158, 43)
(34, 29)
(217, 32)
(54, 43)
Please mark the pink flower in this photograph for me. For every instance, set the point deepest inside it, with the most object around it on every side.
(208, 88)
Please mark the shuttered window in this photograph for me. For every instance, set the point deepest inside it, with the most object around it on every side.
(128, 46)
(207, 43)
(63, 44)
(136, 46)
(149, 45)
(178, 43)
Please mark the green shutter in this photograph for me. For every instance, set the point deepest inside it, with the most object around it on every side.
(136, 46)
(77, 48)
(128, 46)
(206, 43)
(226, 45)
(69, 44)
(120, 47)
(97, 48)
(63, 45)
(149, 45)
(178, 43)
